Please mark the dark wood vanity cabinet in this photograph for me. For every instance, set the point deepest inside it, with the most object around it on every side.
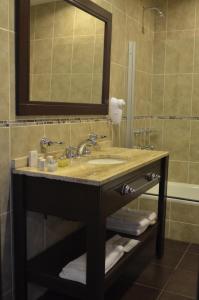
(89, 204)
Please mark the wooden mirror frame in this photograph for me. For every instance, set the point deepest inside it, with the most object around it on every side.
(23, 104)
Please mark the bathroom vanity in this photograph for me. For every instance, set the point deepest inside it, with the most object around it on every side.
(86, 192)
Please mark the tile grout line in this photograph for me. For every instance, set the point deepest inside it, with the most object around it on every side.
(166, 283)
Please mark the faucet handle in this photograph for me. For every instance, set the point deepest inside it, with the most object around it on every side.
(46, 142)
(71, 152)
(92, 136)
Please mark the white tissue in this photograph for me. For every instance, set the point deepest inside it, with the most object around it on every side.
(116, 106)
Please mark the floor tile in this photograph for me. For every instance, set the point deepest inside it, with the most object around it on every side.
(155, 276)
(169, 296)
(183, 283)
(138, 292)
(190, 262)
(176, 245)
(170, 259)
(194, 248)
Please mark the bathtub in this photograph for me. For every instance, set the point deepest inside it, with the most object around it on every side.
(179, 191)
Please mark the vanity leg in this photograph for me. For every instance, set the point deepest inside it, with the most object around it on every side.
(96, 231)
(19, 227)
(162, 202)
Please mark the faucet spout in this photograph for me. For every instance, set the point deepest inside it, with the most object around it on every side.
(83, 148)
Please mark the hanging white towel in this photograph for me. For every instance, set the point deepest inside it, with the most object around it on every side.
(116, 107)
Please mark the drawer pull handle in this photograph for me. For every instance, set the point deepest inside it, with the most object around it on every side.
(127, 189)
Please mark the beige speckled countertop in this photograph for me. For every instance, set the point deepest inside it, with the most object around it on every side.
(82, 172)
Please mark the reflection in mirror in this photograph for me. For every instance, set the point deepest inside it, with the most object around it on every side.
(66, 53)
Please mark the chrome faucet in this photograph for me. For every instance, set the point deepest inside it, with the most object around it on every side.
(83, 148)
(46, 142)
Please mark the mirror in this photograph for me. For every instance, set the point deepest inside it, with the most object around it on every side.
(63, 57)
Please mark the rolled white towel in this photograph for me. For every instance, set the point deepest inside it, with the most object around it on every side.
(76, 269)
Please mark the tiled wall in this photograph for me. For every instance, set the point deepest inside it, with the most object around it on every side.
(66, 54)
(175, 90)
(15, 134)
(181, 217)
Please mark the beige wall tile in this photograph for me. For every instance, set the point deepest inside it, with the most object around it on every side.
(133, 204)
(60, 88)
(185, 212)
(156, 136)
(84, 23)
(80, 132)
(157, 103)
(142, 93)
(178, 171)
(97, 88)
(4, 76)
(117, 85)
(152, 205)
(119, 4)
(195, 102)
(44, 16)
(133, 29)
(159, 47)
(194, 143)
(98, 55)
(133, 9)
(83, 53)
(178, 93)
(196, 57)
(197, 14)
(40, 88)
(81, 88)
(179, 52)
(42, 56)
(194, 173)
(119, 54)
(11, 15)
(181, 14)
(65, 134)
(62, 55)
(21, 142)
(4, 13)
(64, 19)
(176, 139)
(101, 128)
(184, 232)
(5, 171)
(116, 135)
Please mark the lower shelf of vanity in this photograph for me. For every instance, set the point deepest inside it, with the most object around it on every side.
(44, 268)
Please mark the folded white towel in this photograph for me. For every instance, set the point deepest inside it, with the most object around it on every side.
(136, 231)
(150, 215)
(76, 269)
(128, 217)
(131, 221)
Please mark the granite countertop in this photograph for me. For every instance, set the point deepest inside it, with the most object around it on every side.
(81, 171)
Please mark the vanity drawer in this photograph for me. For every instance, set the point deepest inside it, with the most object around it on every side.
(128, 188)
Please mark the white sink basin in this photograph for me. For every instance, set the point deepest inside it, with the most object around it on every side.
(106, 161)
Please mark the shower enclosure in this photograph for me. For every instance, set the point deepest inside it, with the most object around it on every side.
(163, 102)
